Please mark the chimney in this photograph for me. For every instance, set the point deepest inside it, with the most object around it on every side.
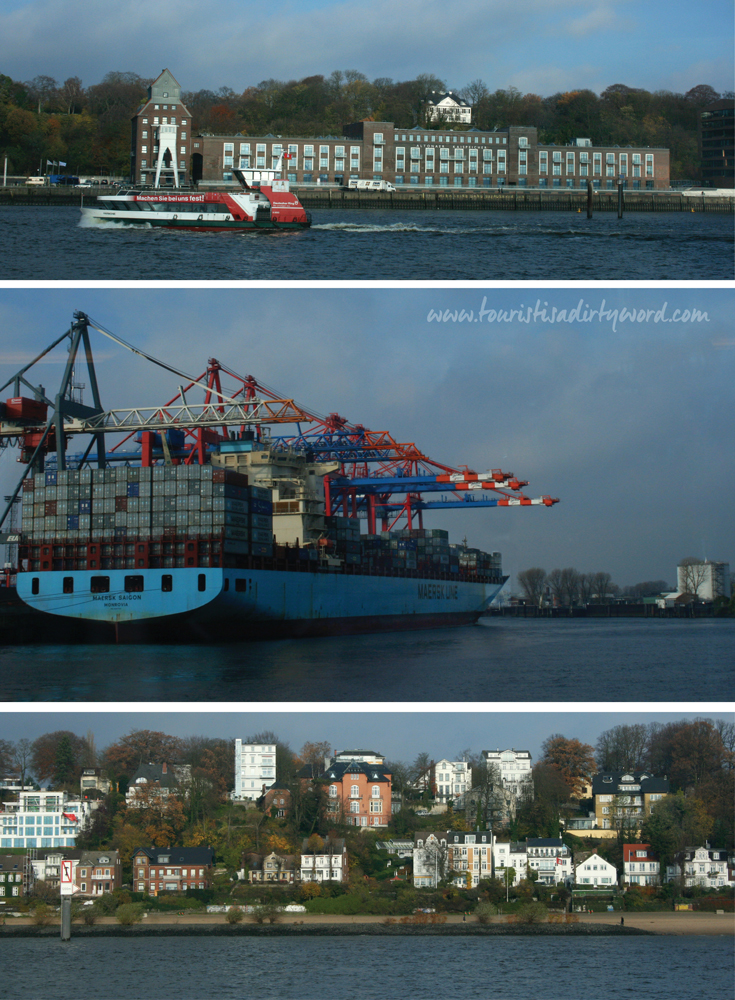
(163, 768)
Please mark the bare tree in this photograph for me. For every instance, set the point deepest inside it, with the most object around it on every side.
(692, 574)
(584, 588)
(623, 748)
(602, 587)
(554, 580)
(570, 586)
(533, 581)
(474, 92)
(22, 754)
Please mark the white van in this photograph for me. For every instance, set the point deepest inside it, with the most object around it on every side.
(355, 185)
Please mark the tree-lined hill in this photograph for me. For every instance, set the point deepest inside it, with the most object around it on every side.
(89, 128)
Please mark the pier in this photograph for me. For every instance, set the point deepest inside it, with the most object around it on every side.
(453, 199)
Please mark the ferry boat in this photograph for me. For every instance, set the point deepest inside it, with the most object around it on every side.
(265, 202)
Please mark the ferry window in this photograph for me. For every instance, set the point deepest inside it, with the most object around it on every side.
(167, 583)
(100, 585)
(134, 584)
(241, 584)
(227, 583)
(34, 585)
(68, 585)
(202, 581)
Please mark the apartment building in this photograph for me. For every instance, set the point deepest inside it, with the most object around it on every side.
(255, 770)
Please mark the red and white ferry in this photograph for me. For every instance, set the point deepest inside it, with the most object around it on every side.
(264, 203)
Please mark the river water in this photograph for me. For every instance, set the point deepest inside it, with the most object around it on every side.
(370, 968)
(48, 243)
(500, 659)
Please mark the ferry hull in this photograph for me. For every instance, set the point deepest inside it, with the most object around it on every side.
(192, 225)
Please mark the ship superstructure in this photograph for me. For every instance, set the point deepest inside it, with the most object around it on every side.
(200, 522)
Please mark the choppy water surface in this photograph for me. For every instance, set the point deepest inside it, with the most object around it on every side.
(47, 243)
(370, 968)
(501, 659)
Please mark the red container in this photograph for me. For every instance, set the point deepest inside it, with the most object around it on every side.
(22, 408)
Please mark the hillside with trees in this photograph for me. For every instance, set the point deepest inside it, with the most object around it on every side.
(88, 128)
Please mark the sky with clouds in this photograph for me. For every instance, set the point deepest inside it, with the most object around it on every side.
(398, 735)
(539, 46)
(628, 423)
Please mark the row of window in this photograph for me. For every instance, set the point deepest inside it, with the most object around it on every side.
(133, 584)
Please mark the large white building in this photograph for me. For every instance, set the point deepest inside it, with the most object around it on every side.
(702, 866)
(447, 780)
(44, 819)
(255, 769)
(514, 767)
(448, 107)
(704, 579)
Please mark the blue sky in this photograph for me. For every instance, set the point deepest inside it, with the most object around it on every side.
(540, 46)
(399, 736)
(629, 424)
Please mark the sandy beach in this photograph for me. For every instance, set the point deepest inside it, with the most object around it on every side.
(680, 922)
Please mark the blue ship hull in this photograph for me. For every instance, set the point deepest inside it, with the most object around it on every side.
(205, 604)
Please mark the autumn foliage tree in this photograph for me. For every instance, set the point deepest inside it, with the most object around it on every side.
(60, 756)
(575, 761)
(142, 746)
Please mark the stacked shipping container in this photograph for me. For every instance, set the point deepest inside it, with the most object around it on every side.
(177, 515)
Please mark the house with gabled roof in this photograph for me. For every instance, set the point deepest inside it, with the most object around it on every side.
(592, 870)
(358, 790)
(641, 865)
(159, 780)
(172, 869)
(624, 798)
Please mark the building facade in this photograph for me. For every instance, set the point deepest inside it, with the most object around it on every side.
(157, 781)
(623, 800)
(449, 107)
(447, 780)
(462, 858)
(551, 859)
(325, 862)
(594, 871)
(271, 867)
(435, 158)
(172, 869)
(358, 792)
(93, 784)
(640, 865)
(161, 145)
(703, 866)
(717, 144)
(44, 819)
(509, 855)
(16, 877)
(703, 579)
(255, 770)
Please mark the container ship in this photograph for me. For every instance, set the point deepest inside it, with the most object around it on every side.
(189, 530)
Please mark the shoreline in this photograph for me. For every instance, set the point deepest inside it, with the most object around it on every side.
(214, 924)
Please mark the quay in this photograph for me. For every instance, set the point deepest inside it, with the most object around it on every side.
(498, 200)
